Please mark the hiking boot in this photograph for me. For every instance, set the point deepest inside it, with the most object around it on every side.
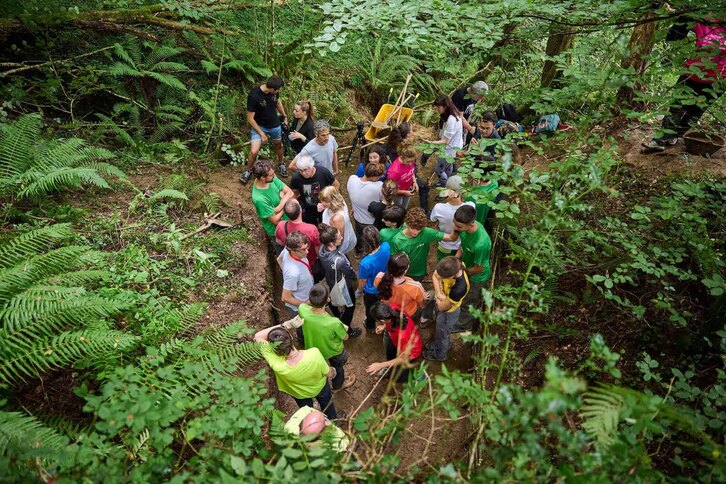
(349, 382)
(245, 177)
(652, 146)
(282, 169)
(354, 332)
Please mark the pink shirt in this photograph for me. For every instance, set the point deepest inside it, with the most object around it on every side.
(403, 174)
(709, 39)
(310, 231)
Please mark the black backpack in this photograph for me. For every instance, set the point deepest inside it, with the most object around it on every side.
(509, 112)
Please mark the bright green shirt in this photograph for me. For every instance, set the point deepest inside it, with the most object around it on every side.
(322, 331)
(475, 250)
(265, 201)
(417, 248)
(387, 234)
(304, 380)
(480, 196)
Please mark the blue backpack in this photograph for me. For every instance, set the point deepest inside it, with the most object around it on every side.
(547, 124)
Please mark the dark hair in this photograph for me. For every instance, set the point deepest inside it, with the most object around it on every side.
(307, 108)
(292, 209)
(381, 152)
(371, 239)
(375, 170)
(450, 109)
(295, 240)
(328, 234)
(416, 218)
(318, 296)
(449, 266)
(261, 168)
(381, 311)
(394, 214)
(274, 82)
(465, 214)
(488, 116)
(397, 267)
(398, 134)
(284, 340)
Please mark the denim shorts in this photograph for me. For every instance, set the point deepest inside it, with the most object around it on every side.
(275, 134)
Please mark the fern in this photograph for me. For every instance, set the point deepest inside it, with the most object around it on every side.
(168, 194)
(31, 243)
(25, 438)
(601, 412)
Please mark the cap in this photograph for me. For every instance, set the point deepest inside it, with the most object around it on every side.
(479, 87)
(453, 188)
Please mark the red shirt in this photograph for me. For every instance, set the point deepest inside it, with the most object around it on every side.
(310, 231)
(402, 338)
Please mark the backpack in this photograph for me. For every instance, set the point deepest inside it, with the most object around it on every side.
(547, 124)
(505, 127)
(509, 113)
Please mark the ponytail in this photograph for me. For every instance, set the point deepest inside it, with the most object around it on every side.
(397, 267)
(310, 110)
(385, 287)
(307, 108)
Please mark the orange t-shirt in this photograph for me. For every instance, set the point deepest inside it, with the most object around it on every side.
(408, 294)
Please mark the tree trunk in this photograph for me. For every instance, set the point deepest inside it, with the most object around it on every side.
(557, 43)
(640, 46)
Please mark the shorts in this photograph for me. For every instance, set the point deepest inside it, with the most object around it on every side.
(275, 134)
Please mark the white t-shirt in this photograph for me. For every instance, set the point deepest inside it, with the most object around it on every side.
(362, 193)
(443, 213)
(296, 277)
(322, 155)
(349, 238)
(453, 131)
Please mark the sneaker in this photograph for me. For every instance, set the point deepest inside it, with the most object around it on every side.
(245, 177)
(428, 355)
(349, 382)
(282, 169)
(652, 146)
(354, 332)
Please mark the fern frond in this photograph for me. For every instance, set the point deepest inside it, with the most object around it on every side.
(245, 354)
(188, 317)
(64, 349)
(167, 79)
(58, 154)
(601, 412)
(121, 53)
(217, 338)
(30, 243)
(17, 142)
(23, 437)
(168, 194)
(161, 53)
(119, 69)
(167, 66)
(63, 178)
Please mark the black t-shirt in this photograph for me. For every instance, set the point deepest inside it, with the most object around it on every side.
(458, 289)
(306, 130)
(461, 99)
(265, 108)
(376, 208)
(309, 189)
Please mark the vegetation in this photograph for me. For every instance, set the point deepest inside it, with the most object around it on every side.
(601, 347)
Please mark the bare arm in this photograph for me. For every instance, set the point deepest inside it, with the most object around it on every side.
(251, 121)
(452, 236)
(442, 302)
(281, 108)
(335, 163)
(336, 183)
(287, 297)
(338, 222)
(261, 336)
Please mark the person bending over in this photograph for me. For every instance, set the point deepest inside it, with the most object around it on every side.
(401, 340)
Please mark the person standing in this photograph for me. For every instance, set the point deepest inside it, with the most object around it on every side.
(443, 214)
(307, 183)
(375, 261)
(476, 248)
(269, 195)
(295, 224)
(326, 333)
(376, 155)
(335, 213)
(301, 129)
(262, 107)
(302, 374)
(465, 99)
(297, 277)
(396, 288)
(389, 191)
(401, 340)
(403, 171)
(323, 148)
(451, 135)
(362, 192)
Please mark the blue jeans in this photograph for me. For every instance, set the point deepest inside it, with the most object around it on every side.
(325, 400)
(444, 169)
(338, 362)
(275, 134)
(441, 343)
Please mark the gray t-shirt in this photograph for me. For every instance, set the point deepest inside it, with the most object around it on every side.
(362, 193)
(296, 278)
(322, 155)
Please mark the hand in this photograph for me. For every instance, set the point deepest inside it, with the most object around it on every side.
(264, 137)
(374, 368)
(414, 188)
(358, 294)
(336, 171)
(380, 328)
(320, 207)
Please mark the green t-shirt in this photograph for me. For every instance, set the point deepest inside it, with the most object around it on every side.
(304, 380)
(265, 201)
(322, 331)
(417, 248)
(480, 196)
(475, 250)
(387, 234)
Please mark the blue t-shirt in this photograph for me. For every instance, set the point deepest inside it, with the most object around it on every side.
(362, 171)
(371, 265)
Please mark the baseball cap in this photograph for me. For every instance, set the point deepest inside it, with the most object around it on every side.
(479, 87)
(452, 189)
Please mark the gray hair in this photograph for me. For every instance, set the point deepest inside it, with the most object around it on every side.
(304, 162)
(320, 125)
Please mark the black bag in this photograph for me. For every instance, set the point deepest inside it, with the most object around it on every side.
(509, 112)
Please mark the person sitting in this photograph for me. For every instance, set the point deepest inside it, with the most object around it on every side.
(376, 155)
(269, 195)
(315, 427)
(401, 340)
(402, 170)
(484, 129)
(302, 374)
(375, 261)
(450, 135)
(443, 215)
(451, 285)
(395, 288)
(295, 224)
(362, 192)
(297, 277)
(301, 129)
(307, 183)
(323, 148)
(393, 218)
(335, 213)
(389, 190)
(326, 333)
(337, 268)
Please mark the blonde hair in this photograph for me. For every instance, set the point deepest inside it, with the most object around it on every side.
(407, 151)
(332, 196)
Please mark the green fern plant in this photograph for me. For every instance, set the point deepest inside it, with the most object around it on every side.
(31, 166)
(25, 438)
(150, 62)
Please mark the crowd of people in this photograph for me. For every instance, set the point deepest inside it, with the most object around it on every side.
(318, 236)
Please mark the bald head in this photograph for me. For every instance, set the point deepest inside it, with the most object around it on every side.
(292, 210)
(313, 423)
